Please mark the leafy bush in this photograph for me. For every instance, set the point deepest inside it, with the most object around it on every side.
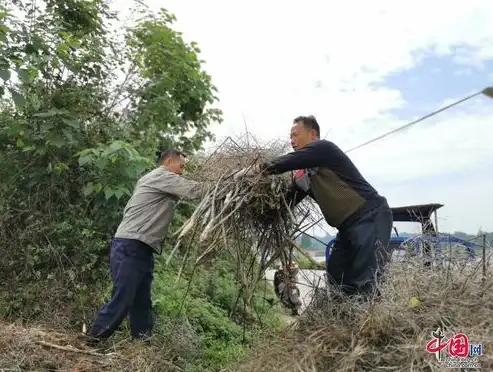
(74, 138)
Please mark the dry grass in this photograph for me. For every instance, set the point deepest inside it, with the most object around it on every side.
(43, 349)
(385, 335)
(388, 334)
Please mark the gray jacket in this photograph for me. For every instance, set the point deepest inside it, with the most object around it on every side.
(149, 211)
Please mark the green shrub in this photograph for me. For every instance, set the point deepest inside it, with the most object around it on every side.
(69, 160)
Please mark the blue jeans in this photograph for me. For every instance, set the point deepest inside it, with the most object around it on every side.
(132, 264)
(360, 252)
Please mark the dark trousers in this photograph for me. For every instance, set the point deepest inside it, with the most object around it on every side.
(132, 264)
(360, 252)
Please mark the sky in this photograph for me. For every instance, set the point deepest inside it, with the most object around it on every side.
(362, 68)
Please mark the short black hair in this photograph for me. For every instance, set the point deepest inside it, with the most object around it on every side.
(162, 156)
(309, 122)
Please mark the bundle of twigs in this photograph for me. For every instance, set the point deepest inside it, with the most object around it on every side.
(252, 209)
(253, 205)
(249, 217)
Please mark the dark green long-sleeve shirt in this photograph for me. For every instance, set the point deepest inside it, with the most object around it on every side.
(329, 177)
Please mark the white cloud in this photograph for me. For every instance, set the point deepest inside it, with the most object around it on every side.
(274, 60)
(452, 142)
(467, 201)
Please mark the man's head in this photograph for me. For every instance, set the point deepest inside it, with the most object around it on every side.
(173, 160)
(304, 131)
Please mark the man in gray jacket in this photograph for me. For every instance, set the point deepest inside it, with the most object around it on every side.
(141, 233)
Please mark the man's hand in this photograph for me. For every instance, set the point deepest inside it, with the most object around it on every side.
(246, 172)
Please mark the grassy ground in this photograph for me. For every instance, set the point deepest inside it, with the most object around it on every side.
(385, 335)
(44, 349)
(389, 334)
(198, 328)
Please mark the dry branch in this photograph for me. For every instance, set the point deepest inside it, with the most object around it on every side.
(249, 218)
(72, 349)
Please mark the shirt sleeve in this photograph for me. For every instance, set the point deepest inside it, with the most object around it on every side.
(313, 155)
(177, 185)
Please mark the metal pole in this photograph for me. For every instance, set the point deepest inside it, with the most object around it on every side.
(436, 221)
(437, 244)
(450, 257)
(484, 257)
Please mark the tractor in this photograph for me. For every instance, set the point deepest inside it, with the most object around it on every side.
(428, 244)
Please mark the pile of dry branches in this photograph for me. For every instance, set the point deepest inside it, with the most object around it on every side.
(248, 217)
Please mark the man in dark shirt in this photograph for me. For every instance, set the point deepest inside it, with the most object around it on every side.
(347, 201)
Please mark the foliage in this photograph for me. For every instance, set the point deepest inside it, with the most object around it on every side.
(70, 152)
(306, 264)
(305, 241)
(172, 92)
(82, 113)
(207, 301)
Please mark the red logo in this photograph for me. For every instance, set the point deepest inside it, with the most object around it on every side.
(458, 345)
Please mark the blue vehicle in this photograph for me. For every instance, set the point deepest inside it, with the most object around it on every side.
(429, 244)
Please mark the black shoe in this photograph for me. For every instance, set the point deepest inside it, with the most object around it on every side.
(93, 342)
(145, 339)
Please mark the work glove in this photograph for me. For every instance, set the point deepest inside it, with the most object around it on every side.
(247, 172)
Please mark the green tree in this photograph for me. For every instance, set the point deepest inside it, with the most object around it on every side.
(306, 241)
(170, 97)
(82, 112)
(75, 135)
